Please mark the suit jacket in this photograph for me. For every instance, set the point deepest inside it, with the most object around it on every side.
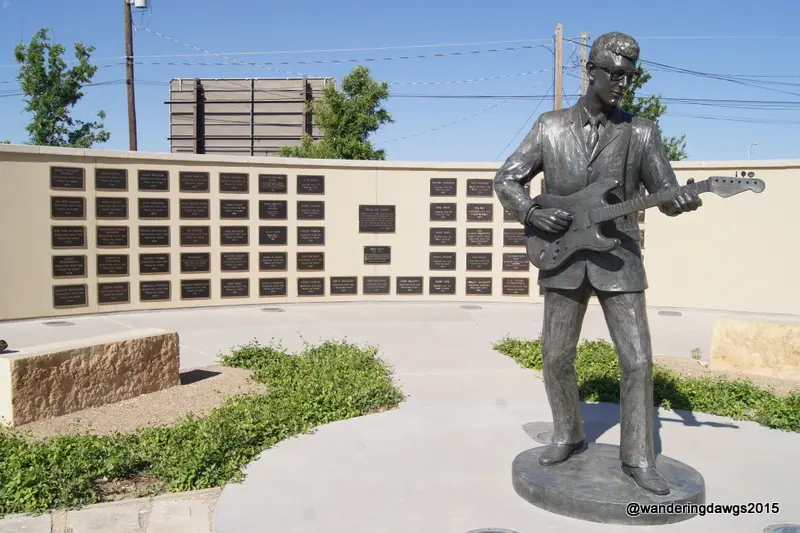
(555, 146)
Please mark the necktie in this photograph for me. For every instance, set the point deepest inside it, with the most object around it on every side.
(594, 135)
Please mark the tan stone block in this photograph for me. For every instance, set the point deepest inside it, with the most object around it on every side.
(54, 379)
(757, 348)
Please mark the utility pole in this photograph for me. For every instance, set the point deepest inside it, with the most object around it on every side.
(558, 86)
(129, 72)
(584, 78)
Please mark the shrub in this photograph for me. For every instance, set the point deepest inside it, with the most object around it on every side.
(328, 382)
(597, 369)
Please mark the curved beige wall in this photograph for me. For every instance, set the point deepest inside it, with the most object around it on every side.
(734, 254)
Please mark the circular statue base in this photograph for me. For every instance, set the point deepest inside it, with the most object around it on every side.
(592, 486)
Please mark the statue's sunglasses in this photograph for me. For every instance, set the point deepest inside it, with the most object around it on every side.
(617, 74)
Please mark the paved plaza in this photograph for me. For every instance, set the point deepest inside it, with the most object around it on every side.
(441, 462)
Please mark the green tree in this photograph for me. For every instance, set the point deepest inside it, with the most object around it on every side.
(652, 108)
(51, 91)
(346, 118)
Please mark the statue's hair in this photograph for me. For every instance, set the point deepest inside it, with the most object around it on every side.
(614, 43)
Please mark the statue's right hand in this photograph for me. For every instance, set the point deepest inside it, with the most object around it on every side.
(550, 219)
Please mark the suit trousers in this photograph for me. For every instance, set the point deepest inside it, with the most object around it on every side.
(626, 317)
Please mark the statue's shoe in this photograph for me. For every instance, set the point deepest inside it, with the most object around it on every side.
(3, 345)
(558, 453)
(648, 479)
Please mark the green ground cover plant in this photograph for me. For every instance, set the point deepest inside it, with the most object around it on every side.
(597, 368)
(321, 384)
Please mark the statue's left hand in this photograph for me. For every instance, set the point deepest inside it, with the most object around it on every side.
(688, 201)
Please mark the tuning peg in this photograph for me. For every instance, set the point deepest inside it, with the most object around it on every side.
(751, 174)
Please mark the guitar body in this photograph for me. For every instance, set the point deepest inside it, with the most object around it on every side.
(589, 209)
(548, 251)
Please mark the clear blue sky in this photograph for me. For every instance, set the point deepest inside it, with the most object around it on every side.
(663, 28)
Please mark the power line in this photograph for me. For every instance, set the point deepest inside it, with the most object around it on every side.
(338, 50)
(485, 109)
(489, 78)
(335, 61)
(526, 121)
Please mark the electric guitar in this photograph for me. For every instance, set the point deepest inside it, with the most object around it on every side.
(589, 208)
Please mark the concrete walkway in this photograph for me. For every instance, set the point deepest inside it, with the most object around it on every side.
(441, 462)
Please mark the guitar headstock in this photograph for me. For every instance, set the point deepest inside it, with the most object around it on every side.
(726, 186)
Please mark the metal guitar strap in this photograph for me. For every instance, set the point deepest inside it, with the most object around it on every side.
(627, 133)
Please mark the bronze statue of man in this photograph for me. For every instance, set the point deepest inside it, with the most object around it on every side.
(573, 147)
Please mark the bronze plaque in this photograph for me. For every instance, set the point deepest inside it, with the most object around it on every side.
(153, 291)
(153, 208)
(69, 296)
(376, 219)
(272, 209)
(68, 237)
(111, 179)
(479, 286)
(112, 265)
(234, 235)
(69, 266)
(377, 255)
(273, 287)
(195, 262)
(479, 261)
(444, 186)
(154, 264)
(194, 182)
(311, 286)
(480, 212)
(442, 261)
(272, 235)
(234, 182)
(195, 236)
(273, 261)
(310, 184)
(308, 261)
(310, 210)
(118, 292)
(446, 212)
(195, 208)
(441, 285)
(153, 180)
(235, 261)
(153, 236)
(480, 187)
(112, 236)
(376, 285)
(412, 285)
(195, 289)
(235, 288)
(273, 183)
(344, 285)
(234, 209)
(67, 207)
(513, 237)
(111, 207)
(516, 287)
(443, 236)
(310, 235)
(479, 237)
(67, 178)
(516, 262)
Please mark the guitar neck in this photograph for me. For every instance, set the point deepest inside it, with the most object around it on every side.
(610, 212)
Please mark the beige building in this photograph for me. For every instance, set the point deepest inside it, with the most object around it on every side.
(89, 231)
(241, 116)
